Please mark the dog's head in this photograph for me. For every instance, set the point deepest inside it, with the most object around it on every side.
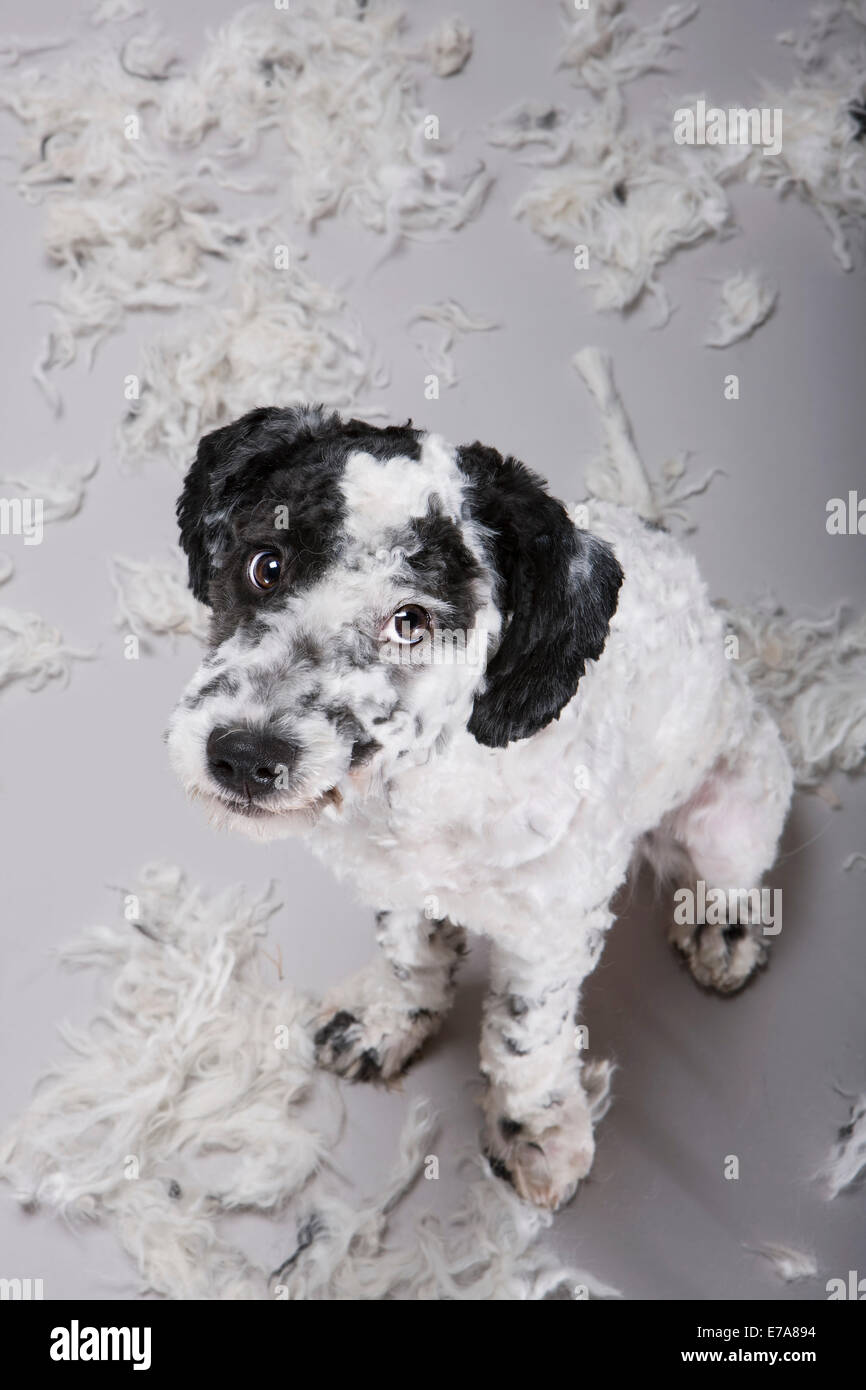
(374, 593)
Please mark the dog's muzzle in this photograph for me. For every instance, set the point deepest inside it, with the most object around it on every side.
(250, 763)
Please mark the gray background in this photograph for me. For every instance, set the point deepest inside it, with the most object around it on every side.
(88, 797)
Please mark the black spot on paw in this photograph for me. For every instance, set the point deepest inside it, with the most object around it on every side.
(334, 1031)
(734, 931)
(362, 751)
(498, 1169)
(369, 1067)
(411, 1060)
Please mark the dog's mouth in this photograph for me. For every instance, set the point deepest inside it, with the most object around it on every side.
(252, 808)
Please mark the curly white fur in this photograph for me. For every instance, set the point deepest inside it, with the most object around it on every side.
(605, 46)
(627, 193)
(623, 190)
(194, 1095)
(449, 46)
(746, 300)
(153, 597)
(60, 487)
(619, 474)
(277, 335)
(32, 651)
(811, 674)
(340, 89)
(526, 844)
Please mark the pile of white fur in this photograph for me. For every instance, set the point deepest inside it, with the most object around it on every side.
(193, 1095)
(626, 192)
(32, 651)
(121, 147)
(276, 336)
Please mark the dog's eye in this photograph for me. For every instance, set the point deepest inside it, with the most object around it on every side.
(264, 569)
(407, 625)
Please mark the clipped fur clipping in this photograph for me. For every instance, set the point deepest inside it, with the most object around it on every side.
(746, 300)
(625, 193)
(58, 488)
(276, 335)
(113, 147)
(619, 474)
(32, 651)
(449, 47)
(153, 597)
(846, 1162)
(194, 1095)
(622, 196)
(605, 46)
(823, 153)
(455, 323)
(811, 675)
(115, 11)
(789, 1264)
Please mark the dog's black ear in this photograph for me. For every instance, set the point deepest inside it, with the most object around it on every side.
(557, 591)
(226, 465)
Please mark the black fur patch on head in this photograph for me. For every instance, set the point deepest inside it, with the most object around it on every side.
(440, 564)
(270, 458)
(557, 589)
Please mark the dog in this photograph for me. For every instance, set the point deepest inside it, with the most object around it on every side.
(481, 714)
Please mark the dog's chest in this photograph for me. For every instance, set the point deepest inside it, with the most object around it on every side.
(453, 837)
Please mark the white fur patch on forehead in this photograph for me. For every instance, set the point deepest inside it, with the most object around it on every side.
(382, 494)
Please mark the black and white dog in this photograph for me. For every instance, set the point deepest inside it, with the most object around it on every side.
(479, 713)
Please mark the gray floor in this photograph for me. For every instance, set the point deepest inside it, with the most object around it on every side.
(88, 796)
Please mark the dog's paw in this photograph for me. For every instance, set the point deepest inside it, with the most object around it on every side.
(373, 1042)
(722, 958)
(543, 1162)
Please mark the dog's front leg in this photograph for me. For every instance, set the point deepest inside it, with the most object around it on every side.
(371, 1026)
(538, 1126)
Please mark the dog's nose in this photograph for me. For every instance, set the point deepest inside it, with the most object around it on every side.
(247, 759)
